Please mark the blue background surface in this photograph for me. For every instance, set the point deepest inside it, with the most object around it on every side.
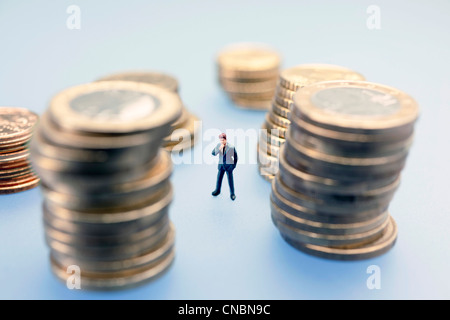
(225, 249)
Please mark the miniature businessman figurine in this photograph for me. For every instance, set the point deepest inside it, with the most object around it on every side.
(228, 159)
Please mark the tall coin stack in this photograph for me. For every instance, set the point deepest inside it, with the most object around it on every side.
(106, 182)
(183, 132)
(273, 132)
(248, 73)
(340, 167)
(16, 127)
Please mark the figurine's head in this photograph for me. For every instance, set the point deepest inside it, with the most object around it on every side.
(223, 138)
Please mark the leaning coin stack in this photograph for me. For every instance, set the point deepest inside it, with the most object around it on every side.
(273, 132)
(183, 133)
(340, 167)
(106, 181)
(248, 73)
(16, 127)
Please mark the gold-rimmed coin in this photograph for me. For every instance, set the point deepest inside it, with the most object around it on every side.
(101, 247)
(265, 159)
(146, 258)
(280, 110)
(115, 107)
(342, 167)
(346, 144)
(278, 120)
(248, 60)
(263, 104)
(284, 93)
(274, 129)
(357, 106)
(106, 160)
(319, 227)
(185, 136)
(271, 137)
(251, 97)
(267, 148)
(315, 185)
(133, 194)
(369, 250)
(286, 103)
(331, 207)
(267, 174)
(306, 74)
(120, 279)
(161, 79)
(260, 87)
(112, 222)
(181, 121)
(331, 240)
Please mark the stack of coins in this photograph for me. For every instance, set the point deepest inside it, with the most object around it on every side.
(340, 167)
(16, 127)
(273, 132)
(106, 181)
(183, 133)
(248, 73)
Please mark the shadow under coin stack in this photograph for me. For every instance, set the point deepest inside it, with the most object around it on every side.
(106, 182)
(248, 73)
(183, 133)
(273, 132)
(340, 166)
(16, 127)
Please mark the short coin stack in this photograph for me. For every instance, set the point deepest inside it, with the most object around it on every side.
(248, 73)
(340, 167)
(16, 127)
(106, 181)
(273, 132)
(183, 133)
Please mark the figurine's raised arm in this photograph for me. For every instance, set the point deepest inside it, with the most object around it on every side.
(216, 150)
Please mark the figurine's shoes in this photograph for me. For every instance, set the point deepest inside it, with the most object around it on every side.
(233, 197)
(215, 193)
